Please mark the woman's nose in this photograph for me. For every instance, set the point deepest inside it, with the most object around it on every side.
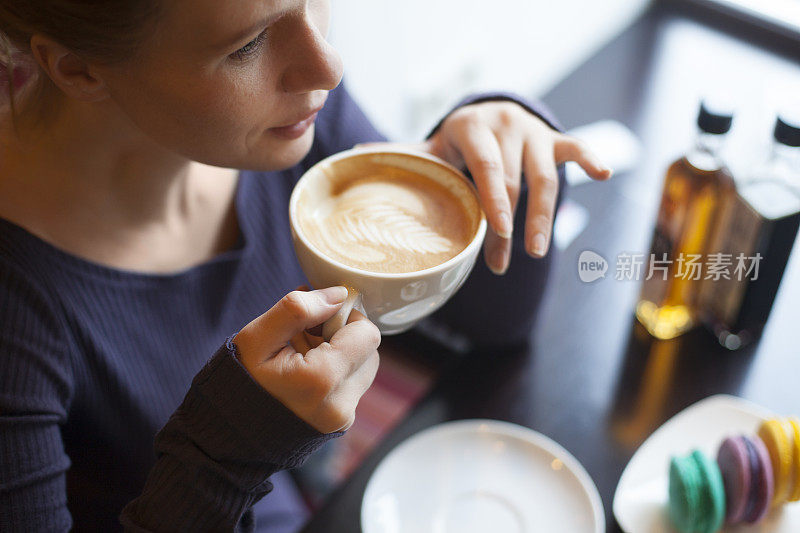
(311, 63)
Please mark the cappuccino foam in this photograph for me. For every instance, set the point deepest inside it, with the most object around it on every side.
(388, 220)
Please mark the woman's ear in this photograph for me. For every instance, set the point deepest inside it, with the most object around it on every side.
(67, 70)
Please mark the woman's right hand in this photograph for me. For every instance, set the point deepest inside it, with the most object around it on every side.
(321, 382)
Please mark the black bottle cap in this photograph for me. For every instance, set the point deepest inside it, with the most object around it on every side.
(717, 122)
(786, 133)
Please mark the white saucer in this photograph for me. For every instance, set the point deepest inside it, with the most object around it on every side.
(640, 501)
(480, 476)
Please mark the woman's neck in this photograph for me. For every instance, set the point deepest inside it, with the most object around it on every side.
(91, 183)
(87, 158)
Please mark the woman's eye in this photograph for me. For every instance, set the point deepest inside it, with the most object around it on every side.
(250, 48)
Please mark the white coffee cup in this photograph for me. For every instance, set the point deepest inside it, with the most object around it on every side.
(393, 301)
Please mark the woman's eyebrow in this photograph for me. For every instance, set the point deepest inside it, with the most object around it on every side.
(241, 36)
(250, 31)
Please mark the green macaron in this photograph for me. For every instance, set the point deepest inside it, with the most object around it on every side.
(696, 494)
(713, 492)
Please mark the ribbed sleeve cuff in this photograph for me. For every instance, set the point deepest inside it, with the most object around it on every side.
(217, 451)
(254, 420)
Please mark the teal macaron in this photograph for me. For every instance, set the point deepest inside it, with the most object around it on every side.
(696, 494)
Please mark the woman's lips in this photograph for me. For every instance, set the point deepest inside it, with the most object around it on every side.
(293, 131)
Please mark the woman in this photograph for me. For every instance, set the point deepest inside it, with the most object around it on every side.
(132, 251)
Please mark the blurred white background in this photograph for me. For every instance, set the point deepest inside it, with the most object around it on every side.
(407, 62)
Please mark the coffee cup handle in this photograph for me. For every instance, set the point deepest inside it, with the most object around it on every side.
(333, 324)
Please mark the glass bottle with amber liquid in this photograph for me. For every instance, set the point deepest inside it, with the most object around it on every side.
(760, 230)
(697, 188)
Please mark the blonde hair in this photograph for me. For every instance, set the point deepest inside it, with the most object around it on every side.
(106, 31)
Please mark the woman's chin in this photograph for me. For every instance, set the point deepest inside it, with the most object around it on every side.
(270, 154)
(280, 154)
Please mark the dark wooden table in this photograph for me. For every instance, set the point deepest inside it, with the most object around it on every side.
(591, 379)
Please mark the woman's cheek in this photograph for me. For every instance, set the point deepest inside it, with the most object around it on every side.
(233, 106)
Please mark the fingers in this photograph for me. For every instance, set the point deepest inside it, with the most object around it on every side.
(364, 376)
(300, 343)
(306, 340)
(571, 149)
(323, 385)
(312, 332)
(540, 171)
(496, 249)
(354, 387)
(484, 159)
(539, 161)
(295, 312)
(352, 344)
(497, 253)
(355, 315)
(511, 149)
(316, 331)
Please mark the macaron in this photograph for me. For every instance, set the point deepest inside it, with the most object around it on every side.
(713, 491)
(684, 494)
(776, 432)
(761, 480)
(734, 463)
(795, 494)
(696, 494)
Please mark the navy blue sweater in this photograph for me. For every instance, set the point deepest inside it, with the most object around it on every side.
(122, 403)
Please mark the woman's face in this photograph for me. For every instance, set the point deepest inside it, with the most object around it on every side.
(217, 79)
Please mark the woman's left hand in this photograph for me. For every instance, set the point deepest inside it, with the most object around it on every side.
(496, 141)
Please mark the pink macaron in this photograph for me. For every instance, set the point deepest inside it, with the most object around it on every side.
(734, 464)
(763, 482)
(747, 476)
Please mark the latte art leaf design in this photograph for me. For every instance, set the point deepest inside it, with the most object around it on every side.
(384, 224)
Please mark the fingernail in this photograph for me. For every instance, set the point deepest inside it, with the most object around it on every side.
(334, 295)
(499, 261)
(504, 225)
(538, 244)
